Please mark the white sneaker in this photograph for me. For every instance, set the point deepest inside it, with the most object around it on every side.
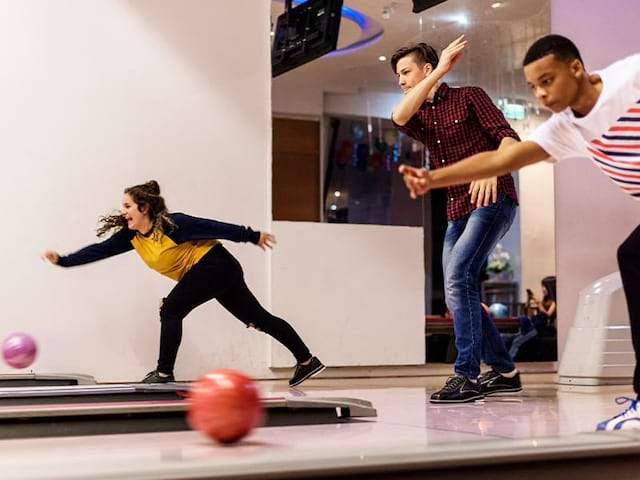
(628, 419)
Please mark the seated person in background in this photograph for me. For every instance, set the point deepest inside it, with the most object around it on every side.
(540, 318)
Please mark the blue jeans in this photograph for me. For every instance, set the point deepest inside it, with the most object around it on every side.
(467, 244)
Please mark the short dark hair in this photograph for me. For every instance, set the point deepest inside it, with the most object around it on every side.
(422, 52)
(563, 49)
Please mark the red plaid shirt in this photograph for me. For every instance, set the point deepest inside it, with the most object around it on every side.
(459, 123)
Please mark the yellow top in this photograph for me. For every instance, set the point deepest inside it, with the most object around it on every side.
(167, 257)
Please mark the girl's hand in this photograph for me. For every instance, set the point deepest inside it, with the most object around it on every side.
(50, 256)
(267, 240)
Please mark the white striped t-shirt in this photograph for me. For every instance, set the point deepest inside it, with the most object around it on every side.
(610, 134)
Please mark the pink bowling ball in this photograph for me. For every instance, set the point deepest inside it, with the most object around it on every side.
(19, 350)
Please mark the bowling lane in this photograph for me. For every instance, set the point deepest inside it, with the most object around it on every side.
(130, 408)
(409, 435)
(191, 455)
(44, 380)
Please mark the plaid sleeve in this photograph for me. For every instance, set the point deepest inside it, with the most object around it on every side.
(413, 128)
(489, 116)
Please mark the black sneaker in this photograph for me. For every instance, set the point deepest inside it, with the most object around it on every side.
(156, 377)
(303, 372)
(458, 390)
(492, 383)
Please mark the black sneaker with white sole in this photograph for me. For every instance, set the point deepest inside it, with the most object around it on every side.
(492, 383)
(157, 377)
(458, 390)
(303, 372)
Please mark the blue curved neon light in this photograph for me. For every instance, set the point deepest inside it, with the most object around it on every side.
(370, 30)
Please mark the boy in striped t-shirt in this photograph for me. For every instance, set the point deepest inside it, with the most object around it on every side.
(595, 116)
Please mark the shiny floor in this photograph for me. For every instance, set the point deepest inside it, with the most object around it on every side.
(406, 423)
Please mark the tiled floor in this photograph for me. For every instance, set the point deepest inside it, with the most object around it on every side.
(542, 409)
(406, 423)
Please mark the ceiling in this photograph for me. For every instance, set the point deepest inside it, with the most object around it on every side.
(498, 38)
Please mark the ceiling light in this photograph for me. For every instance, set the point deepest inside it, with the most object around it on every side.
(462, 20)
(496, 5)
(382, 58)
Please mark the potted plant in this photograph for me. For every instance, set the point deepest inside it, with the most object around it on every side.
(499, 265)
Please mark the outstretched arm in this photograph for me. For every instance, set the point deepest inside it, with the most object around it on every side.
(487, 164)
(195, 228)
(118, 243)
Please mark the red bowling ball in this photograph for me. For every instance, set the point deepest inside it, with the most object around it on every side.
(19, 350)
(225, 405)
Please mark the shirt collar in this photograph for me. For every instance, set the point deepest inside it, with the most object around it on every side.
(441, 92)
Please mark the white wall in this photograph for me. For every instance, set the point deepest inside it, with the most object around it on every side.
(354, 292)
(100, 95)
(537, 226)
(593, 216)
(290, 98)
(537, 215)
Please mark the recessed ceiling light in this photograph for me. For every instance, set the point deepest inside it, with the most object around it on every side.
(462, 20)
(496, 5)
(382, 58)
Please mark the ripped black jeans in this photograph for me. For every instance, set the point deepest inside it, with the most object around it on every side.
(219, 275)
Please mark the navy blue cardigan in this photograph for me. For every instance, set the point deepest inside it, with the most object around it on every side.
(187, 228)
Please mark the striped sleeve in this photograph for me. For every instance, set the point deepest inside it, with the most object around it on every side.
(617, 152)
